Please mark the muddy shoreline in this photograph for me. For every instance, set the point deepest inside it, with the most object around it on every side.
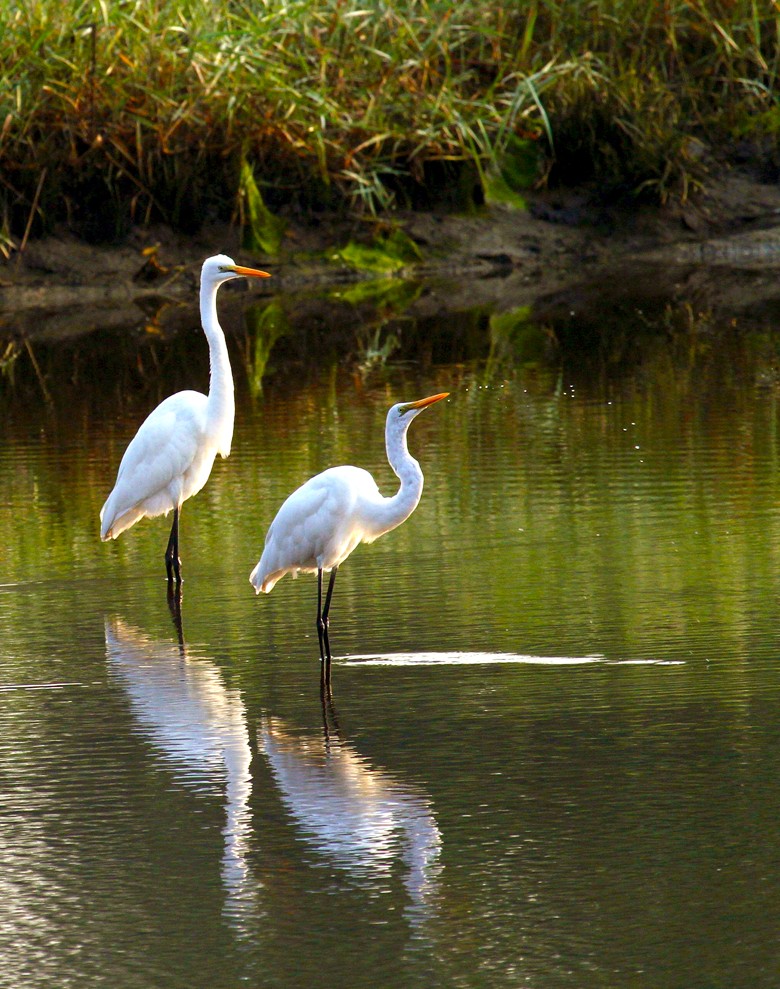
(498, 258)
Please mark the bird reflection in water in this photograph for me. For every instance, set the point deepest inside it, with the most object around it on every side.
(198, 726)
(358, 817)
(174, 606)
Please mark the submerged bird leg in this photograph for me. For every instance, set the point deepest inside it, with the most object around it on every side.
(329, 716)
(172, 561)
(325, 691)
(174, 606)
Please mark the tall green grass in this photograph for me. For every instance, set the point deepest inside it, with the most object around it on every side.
(132, 110)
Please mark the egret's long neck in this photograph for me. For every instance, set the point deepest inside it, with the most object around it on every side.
(396, 509)
(221, 407)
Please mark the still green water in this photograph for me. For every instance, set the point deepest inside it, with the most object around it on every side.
(553, 756)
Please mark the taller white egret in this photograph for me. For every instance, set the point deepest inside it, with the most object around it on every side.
(321, 522)
(170, 457)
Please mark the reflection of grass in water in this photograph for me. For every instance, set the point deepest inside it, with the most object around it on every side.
(369, 322)
(8, 362)
(382, 300)
(265, 324)
(516, 339)
(8, 359)
(376, 351)
(386, 294)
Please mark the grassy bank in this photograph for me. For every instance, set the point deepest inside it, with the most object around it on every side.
(178, 110)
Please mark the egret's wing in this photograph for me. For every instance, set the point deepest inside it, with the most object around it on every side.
(314, 526)
(295, 535)
(161, 451)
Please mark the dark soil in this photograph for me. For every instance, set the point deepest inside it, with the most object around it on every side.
(497, 257)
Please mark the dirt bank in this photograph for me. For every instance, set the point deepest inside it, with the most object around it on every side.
(497, 257)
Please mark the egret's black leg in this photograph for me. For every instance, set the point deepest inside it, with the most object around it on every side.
(323, 622)
(326, 623)
(320, 623)
(172, 561)
(329, 595)
(326, 626)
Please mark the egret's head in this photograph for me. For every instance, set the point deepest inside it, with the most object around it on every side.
(402, 414)
(221, 269)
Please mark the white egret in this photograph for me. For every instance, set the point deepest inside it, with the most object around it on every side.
(320, 524)
(170, 457)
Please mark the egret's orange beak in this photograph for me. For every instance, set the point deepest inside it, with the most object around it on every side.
(249, 272)
(424, 402)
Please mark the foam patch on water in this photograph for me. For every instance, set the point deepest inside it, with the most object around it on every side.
(465, 658)
(38, 686)
(645, 662)
(491, 659)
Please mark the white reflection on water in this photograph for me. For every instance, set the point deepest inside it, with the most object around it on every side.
(198, 725)
(39, 686)
(358, 817)
(491, 658)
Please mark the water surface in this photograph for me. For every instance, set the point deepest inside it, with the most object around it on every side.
(552, 753)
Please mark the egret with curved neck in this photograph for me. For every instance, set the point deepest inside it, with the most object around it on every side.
(170, 457)
(322, 522)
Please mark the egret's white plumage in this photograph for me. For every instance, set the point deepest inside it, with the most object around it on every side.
(170, 457)
(322, 522)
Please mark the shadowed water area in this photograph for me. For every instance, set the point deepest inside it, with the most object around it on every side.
(552, 754)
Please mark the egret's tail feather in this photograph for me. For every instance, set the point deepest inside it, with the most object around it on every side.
(112, 525)
(262, 581)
